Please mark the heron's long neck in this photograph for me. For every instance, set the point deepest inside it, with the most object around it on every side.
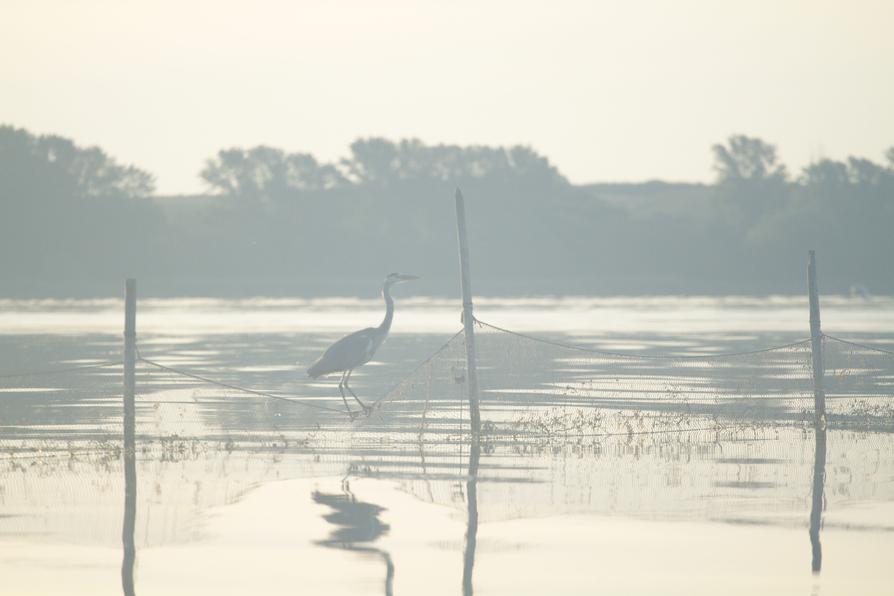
(389, 308)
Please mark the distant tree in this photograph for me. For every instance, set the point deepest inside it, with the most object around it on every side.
(525, 161)
(266, 173)
(380, 162)
(746, 158)
(751, 183)
(826, 173)
(72, 211)
(866, 172)
(41, 167)
(856, 176)
(373, 161)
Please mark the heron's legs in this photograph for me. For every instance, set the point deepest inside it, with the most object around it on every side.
(365, 407)
(341, 386)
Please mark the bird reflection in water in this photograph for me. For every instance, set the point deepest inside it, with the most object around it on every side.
(357, 527)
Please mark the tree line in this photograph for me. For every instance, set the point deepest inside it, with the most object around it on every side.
(75, 221)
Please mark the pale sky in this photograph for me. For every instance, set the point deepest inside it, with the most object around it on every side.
(609, 91)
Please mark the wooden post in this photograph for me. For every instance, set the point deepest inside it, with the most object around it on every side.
(468, 316)
(816, 344)
(130, 466)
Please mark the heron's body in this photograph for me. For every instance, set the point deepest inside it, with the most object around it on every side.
(359, 347)
(348, 353)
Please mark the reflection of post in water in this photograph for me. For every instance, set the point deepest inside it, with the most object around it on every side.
(356, 523)
(816, 509)
(130, 518)
(130, 464)
(472, 520)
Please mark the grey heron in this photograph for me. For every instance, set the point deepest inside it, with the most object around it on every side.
(359, 347)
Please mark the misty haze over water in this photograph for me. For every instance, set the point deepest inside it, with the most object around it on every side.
(663, 362)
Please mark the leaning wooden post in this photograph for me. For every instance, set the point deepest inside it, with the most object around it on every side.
(816, 344)
(130, 465)
(468, 316)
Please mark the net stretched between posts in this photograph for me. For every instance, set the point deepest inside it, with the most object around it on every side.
(533, 387)
(530, 387)
(640, 415)
(859, 382)
(727, 436)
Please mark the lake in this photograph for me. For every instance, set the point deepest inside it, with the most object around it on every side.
(649, 445)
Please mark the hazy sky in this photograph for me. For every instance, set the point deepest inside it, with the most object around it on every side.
(616, 90)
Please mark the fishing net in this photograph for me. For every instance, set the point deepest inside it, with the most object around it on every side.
(859, 382)
(724, 436)
(532, 387)
(727, 435)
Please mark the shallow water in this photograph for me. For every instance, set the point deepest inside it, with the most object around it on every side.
(239, 493)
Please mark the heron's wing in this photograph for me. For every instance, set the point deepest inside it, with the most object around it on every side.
(347, 353)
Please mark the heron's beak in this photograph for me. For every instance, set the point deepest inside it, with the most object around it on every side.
(407, 277)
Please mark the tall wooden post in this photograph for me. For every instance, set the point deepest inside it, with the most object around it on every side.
(468, 316)
(130, 464)
(816, 344)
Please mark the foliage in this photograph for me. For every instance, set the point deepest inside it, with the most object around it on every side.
(265, 173)
(271, 174)
(377, 161)
(746, 158)
(54, 167)
(280, 222)
(70, 213)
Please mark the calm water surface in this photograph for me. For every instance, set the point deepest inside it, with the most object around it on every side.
(238, 493)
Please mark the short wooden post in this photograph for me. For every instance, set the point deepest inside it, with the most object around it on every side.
(816, 344)
(468, 316)
(130, 465)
